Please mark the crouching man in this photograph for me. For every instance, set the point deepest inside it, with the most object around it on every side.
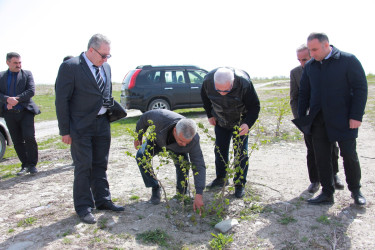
(179, 136)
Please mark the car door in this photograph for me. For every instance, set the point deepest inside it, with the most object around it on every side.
(175, 88)
(196, 80)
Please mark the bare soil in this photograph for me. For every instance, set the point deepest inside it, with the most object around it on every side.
(37, 211)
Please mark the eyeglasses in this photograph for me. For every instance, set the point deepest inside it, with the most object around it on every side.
(103, 56)
(223, 91)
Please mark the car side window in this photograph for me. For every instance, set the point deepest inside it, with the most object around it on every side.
(196, 76)
(153, 76)
(174, 76)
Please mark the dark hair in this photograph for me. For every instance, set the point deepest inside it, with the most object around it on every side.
(10, 55)
(320, 36)
(67, 58)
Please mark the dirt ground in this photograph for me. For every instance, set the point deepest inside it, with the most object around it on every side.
(37, 211)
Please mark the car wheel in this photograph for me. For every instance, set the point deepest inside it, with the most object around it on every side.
(2, 146)
(159, 104)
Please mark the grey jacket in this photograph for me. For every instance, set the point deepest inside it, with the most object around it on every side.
(164, 120)
(295, 78)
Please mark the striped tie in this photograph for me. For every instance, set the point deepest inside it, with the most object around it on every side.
(99, 78)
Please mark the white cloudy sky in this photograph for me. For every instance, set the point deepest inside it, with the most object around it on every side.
(257, 36)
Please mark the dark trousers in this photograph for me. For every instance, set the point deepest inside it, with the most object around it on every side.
(144, 153)
(90, 153)
(311, 165)
(22, 130)
(222, 142)
(323, 156)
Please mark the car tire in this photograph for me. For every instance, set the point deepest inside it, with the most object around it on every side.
(2, 146)
(159, 104)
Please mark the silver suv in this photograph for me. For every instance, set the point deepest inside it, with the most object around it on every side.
(4, 137)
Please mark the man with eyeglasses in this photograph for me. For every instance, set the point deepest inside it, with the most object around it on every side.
(83, 97)
(230, 100)
(303, 56)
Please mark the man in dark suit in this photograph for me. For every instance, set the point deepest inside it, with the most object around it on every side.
(83, 96)
(177, 135)
(303, 56)
(334, 89)
(17, 87)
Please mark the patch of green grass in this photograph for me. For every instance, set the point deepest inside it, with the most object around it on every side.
(11, 230)
(50, 142)
(220, 241)
(67, 233)
(324, 219)
(9, 171)
(26, 222)
(10, 152)
(118, 127)
(156, 236)
(286, 219)
(134, 198)
(46, 104)
(67, 241)
(102, 223)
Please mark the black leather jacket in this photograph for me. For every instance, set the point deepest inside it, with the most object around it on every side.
(240, 105)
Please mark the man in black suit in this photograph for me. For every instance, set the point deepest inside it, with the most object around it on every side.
(83, 96)
(17, 87)
(333, 89)
(303, 57)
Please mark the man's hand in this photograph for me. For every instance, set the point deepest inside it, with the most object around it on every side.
(353, 124)
(198, 203)
(212, 121)
(244, 129)
(9, 107)
(137, 143)
(66, 139)
(12, 101)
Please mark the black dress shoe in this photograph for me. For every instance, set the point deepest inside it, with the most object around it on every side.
(111, 206)
(218, 182)
(338, 183)
(88, 218)
(359, 199)
(239, 191)
(313, 187)
(32, 170)
(22, 172)
(321, 199)
(156, 195)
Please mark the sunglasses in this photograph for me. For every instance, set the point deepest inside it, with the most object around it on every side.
(103, 56)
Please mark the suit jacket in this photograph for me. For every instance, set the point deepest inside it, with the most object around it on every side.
(164, 120)
(78, 97)
(338, 88)
(25, 90)
(295, 78)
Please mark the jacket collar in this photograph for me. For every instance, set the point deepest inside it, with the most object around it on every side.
(335, 52)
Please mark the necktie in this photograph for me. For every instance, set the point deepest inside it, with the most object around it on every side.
(12, 86)
(99, 79)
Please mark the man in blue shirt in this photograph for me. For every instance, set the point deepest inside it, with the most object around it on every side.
(18, 109)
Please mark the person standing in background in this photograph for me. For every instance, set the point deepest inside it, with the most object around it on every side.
(17, 88)
(303, 56)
